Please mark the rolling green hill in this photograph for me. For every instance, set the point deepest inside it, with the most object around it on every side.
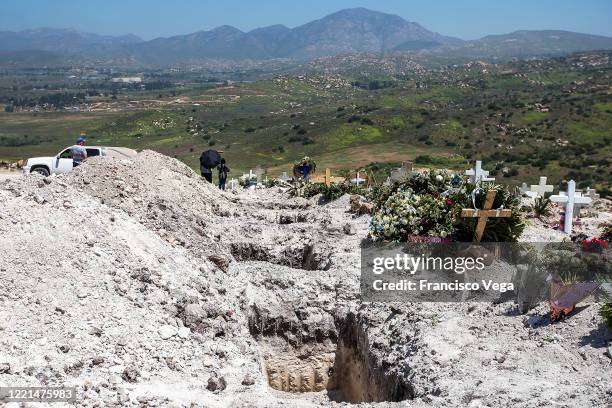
(523, 120)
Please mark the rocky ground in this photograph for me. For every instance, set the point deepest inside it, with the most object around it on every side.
(6, 174)
(141, 285)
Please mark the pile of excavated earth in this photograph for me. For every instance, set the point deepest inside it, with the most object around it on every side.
(142, 285)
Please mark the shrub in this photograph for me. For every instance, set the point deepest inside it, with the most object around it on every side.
(606, 234)
(606, 313)
(541, 207)
(17, 141)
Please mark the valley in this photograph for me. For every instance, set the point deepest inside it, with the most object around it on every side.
(550, 115)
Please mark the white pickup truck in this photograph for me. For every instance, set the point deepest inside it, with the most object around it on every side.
(62, 162)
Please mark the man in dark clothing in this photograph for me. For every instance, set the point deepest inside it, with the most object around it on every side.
(206, 173)
(223, 170)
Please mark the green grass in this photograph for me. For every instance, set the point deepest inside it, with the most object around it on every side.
(452, 124)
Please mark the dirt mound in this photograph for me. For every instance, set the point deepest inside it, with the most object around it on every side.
(91, 297)
(141, 284)
(184, 210)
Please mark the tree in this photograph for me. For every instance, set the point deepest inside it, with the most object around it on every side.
(9, 108)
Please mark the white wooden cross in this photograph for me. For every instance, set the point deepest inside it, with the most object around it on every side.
(477, 174)
(592, 193)
(525, 191)
(233, 185)
(357, 180)
(542, 188)
(570, 200)
(284, 177)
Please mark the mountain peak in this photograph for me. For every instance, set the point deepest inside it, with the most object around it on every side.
(226, 29)
(363, 13)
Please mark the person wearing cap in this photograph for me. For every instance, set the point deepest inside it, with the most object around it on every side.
(78, 151)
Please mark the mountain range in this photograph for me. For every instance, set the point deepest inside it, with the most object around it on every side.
(348, 31)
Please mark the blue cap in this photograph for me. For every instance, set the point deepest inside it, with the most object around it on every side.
(81, 139)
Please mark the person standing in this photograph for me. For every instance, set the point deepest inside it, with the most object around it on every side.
(223, 170)
(206, 173)
(78, 151)
(208, 161)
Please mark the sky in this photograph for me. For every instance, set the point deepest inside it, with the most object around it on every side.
(466, 19)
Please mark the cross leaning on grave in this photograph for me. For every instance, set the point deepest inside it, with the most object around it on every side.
(484, 214)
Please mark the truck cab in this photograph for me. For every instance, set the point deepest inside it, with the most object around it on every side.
(62, 162)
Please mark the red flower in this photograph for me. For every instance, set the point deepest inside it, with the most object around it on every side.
(593, 245)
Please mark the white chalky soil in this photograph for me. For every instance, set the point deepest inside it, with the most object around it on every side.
(138, 283)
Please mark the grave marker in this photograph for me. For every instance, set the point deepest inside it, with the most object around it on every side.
(570, 199)
(358, 180)
(327, 179)
(525, 191)
(233, 184)
(259, 173)
(399, 174)
(477, 174)
(542, 188)
(591, 193)
(484, 214)
(284, 177)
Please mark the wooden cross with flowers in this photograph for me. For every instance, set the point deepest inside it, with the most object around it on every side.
(484, 214)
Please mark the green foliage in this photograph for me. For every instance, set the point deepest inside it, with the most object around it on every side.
(541, 207)
(606, 234)
(247, 181)
(606, 313)
(16, 141)
(497, 229)
(271, 182)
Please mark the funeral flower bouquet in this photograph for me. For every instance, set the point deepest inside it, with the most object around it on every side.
(247, 180)
(429, 205)
(406, 213)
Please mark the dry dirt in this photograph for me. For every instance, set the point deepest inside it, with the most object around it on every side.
(5, 175)
(141, 285)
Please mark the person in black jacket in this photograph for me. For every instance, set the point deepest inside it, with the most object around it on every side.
(206, 173)
(223, 170)
(208, 161)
